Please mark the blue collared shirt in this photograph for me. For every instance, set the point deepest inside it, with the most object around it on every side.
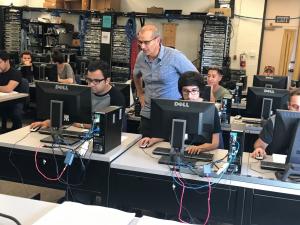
(161, 75)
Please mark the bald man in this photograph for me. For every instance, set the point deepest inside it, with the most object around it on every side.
(160, 68)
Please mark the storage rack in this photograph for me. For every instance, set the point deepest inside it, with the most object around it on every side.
(120, 55)
(12, 30)
(92, 38)
(215, 43)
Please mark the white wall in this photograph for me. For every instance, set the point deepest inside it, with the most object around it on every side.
(273, 37)
(246, 34)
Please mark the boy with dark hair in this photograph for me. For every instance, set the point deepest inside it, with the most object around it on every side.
(10, 80)
(103, 93)
(214, 77)
(190, 85)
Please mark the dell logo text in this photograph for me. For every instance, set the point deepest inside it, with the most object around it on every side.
(182, 104)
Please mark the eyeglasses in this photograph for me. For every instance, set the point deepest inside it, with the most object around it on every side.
(192, 92)
(94, 81)
(295, 107)
(145, 42)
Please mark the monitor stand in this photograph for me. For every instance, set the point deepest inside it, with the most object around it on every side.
(176, 160)
(60, 140)
(290, 169)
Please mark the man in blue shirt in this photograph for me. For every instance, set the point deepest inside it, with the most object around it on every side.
(160, 68)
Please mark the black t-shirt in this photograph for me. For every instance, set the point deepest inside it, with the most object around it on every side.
(198, 140)
(9, 75)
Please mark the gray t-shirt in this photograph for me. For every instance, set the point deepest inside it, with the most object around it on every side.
(221, 92)
(66, 72)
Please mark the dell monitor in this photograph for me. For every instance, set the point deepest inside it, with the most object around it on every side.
(76, 100)
(199, 117)
(262, 101)
(279, 82)
(173, 119)
(286, 140)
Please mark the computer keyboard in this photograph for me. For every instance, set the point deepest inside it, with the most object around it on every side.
(205, 157)
(268, 165)
(251, 120)
(65, 133)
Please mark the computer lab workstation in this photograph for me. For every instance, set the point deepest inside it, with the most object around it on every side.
(109, 167)
(104, 163)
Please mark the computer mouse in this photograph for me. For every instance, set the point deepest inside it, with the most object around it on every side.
(238, 117)
(144, 145)
(34, 129)
(259, 157)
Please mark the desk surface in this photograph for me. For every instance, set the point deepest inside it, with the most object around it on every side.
(27, 211)
(24, 139)
(4, 97)
(137, 160)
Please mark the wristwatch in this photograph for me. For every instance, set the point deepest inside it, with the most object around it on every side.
(81, 125)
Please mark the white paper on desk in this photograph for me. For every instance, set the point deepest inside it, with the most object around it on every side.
(71, 213)
(5, 93)
(146, 220)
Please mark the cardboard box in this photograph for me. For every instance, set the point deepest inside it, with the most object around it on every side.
(155, 10)
(105, 5)
(72, 4)
(220, 11)
(76, 42)
(55, 4)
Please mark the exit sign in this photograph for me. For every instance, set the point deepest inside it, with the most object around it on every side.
(282, 19)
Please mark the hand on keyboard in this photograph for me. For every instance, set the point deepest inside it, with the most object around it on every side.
(193, 149)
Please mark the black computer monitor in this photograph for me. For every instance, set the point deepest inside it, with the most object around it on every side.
(125, 90)
(261, 101)
(279, 82)
(45, 71)
(286, 139)
(199, 117)
(76, 100)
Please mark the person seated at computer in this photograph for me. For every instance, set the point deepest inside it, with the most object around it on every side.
(10, 80)
(266, 135)
(104, 94)
(65, 73)
(26, 58)
(190, 85)
(269, 71)
(214, 77)
(26, 65)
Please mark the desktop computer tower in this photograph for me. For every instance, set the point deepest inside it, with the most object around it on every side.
(235, 152)
(107, 127)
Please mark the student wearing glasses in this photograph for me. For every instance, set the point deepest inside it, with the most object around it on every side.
(190, 85)
(159, 67)
(98, 78)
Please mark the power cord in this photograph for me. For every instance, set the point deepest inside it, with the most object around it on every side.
(11, 218)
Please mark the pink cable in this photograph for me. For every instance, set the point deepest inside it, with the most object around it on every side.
(208, 201)
(43, 175)
(181, 198)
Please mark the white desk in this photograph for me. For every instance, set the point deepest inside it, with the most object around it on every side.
(238, 194)
(26, 211)
(20, 146)
(5, 97)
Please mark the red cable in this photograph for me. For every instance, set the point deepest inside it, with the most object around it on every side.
(181, 198)
(43, 175)
(208, 201)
